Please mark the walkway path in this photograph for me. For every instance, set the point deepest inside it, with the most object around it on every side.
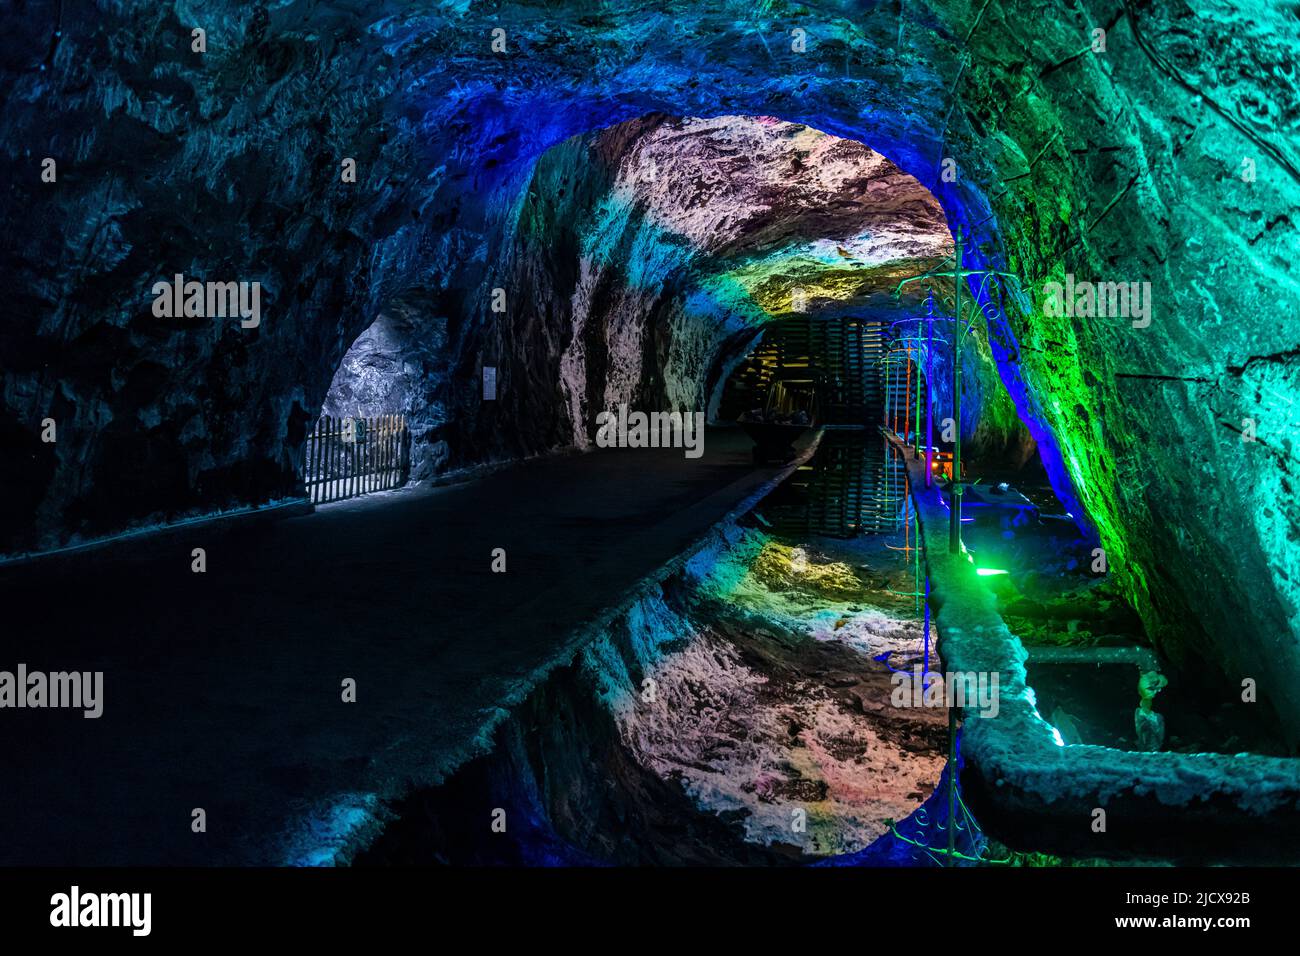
(222, 690)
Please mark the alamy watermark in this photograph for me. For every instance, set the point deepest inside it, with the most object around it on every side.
(624, 429)
(969, 690)
(208, 300)
(63, 689)
(77, 909)
(1086, 300)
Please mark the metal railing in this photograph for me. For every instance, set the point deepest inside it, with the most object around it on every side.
(348, 457)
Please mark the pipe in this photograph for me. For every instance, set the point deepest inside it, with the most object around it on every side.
(954, 527)
(929, 388)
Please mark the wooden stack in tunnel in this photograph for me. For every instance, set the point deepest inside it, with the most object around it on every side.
(851, 487)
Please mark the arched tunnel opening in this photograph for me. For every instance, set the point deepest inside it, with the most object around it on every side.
(687, 215)
(857, 435)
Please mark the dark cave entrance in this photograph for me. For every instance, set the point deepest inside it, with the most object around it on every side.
(361, 441)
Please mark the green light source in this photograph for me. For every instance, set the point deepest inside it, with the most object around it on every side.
(989, 572)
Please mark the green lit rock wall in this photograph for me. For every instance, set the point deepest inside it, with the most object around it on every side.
(1168, 159)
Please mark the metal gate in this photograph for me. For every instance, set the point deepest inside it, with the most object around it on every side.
(348, 457)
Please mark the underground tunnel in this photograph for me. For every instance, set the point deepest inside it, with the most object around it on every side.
(836, 435)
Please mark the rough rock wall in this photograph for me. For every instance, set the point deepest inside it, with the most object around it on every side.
(691, 234)
(1128, 164)
(641, 259)
(1168, 159)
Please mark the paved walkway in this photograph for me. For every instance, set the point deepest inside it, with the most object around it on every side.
(222, 690)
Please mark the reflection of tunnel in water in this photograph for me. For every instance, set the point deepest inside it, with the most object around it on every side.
(740, 715)
(853, 485)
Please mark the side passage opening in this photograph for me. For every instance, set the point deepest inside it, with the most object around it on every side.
(349, 457)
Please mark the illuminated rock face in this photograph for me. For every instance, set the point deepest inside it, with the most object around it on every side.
(644, 257)
(1166, 158)
(697, 234)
